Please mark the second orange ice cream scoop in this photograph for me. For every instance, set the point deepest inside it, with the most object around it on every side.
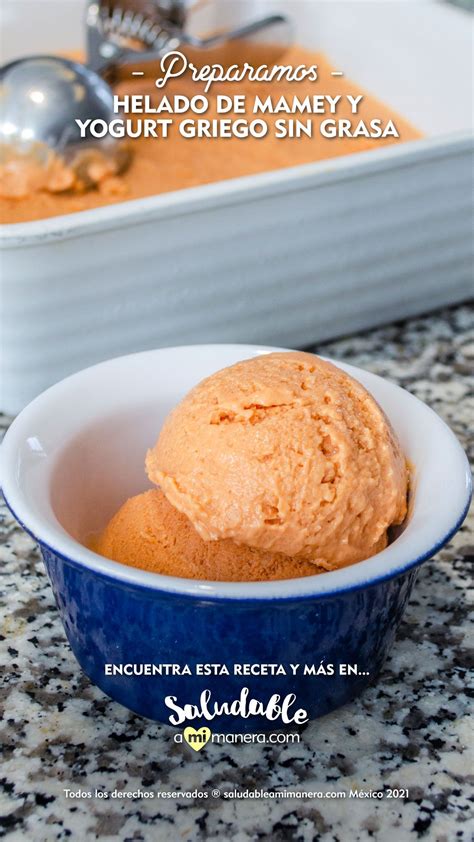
(148, 532)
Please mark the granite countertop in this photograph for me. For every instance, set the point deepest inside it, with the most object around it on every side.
(410, 730)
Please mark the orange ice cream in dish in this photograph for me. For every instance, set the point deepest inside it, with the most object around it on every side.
(277, 467)
(160, 166)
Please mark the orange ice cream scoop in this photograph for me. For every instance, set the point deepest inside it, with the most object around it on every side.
(287, 454)
(147, 532)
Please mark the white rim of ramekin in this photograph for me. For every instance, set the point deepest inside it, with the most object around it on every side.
(384, 566)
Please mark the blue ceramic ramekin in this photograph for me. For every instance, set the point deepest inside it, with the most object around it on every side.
(77, 452)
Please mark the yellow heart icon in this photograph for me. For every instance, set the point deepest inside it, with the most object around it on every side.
(197, 739)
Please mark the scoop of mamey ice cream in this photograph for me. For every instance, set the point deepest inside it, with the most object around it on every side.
(147, 532)
(284, 453)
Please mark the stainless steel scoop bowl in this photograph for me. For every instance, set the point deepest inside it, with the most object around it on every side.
(41, 97)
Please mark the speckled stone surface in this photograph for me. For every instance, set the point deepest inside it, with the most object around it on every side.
(411, 730)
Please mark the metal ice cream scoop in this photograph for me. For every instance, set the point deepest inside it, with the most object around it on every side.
(42, 96)
(124, 32)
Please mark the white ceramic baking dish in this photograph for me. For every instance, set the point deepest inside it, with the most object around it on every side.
(288, 257)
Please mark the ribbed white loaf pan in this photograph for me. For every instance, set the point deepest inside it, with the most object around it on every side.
(289, 257)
